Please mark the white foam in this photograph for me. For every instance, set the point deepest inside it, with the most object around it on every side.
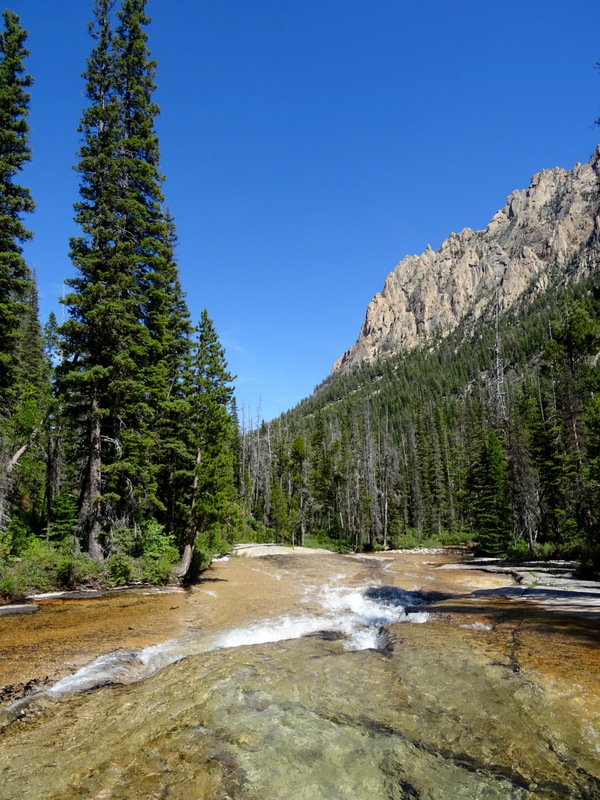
(360, 614)
(116, 667)
(275, 631)
(364, 639)
(357, 615)
(478, 626)
(417, 616)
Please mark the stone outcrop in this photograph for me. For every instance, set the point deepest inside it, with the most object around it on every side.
(545, 234)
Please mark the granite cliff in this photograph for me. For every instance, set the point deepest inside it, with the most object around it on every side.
(546, 234)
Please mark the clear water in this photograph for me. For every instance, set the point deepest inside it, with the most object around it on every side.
(356, 615)
(336, 697)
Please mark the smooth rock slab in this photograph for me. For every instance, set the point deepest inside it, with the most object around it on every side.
(27, 608)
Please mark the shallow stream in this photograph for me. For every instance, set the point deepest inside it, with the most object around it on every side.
(309, 677)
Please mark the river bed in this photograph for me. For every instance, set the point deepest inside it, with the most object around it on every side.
(304, 676)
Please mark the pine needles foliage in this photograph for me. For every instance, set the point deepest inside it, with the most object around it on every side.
(118, 442)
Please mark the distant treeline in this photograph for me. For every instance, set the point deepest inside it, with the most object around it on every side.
(490, 435)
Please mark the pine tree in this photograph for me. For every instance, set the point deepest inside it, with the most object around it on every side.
(119, 336)
(298, 458)
(278, 511)
(524, 484)
(213, 435)
(23, 432)
(60, 507)
(321, 475)
(567, 358)
(32, 365)
(15, 200)
(90, 336)
(24, 389)
(490, 497)
(169, 381)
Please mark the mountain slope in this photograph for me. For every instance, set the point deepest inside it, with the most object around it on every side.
(544, 235)
(489, 432)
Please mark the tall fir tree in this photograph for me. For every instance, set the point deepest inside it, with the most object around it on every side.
(212, 511)
(170, 378)
(23, 369)
(15, 200)
(28, 424)
(118, 338)
(23, 431)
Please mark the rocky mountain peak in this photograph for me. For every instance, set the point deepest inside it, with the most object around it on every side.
(545, 234)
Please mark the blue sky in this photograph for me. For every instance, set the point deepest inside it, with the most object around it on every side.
(309, 145)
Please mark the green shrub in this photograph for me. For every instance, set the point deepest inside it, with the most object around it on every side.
(73, 570)
(253, 530)
(159, 553)
(201, 559)
(456, 537)
(411, 539)
(320, 540)
(546, 550)
(215, 541)
(121, 569)
(37, 567)
(5, 546)
(408, 540)
(519, 550)
(12, 588)
(155, 543)
(122, 540)
(158, 570)
(45, 566)
(19, 537)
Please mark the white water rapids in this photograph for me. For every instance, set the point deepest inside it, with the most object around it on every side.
(355, 615)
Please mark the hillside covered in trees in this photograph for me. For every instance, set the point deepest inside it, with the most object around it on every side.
(490, 434)
(468, 409)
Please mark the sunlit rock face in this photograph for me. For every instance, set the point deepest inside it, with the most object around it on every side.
(545, 234)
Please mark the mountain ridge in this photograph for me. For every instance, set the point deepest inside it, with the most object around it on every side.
(543, 235)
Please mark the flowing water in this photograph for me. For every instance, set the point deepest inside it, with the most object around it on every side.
(304, 677)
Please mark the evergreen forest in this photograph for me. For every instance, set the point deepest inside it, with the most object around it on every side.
(488, 436)
(122, 454)
(118, 435)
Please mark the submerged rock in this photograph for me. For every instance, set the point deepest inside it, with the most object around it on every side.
(25, 608)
